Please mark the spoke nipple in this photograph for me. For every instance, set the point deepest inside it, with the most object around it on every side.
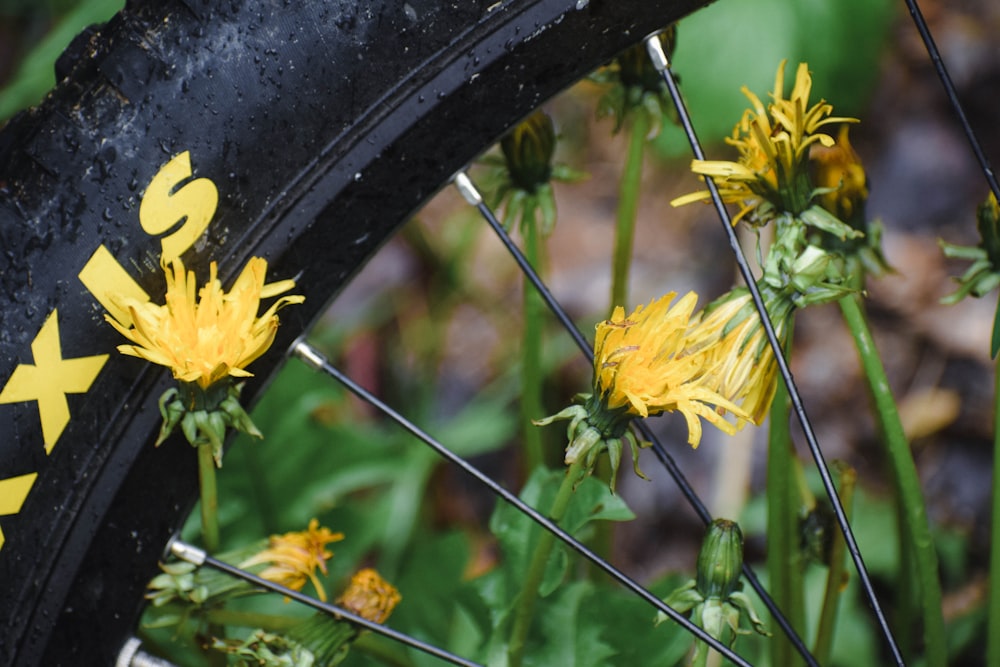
(656, 53)
(309, 354)
(132, 656)
(187, 552)
(467, 189)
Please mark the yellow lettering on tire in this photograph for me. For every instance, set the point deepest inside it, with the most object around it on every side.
(170, 201)
(109, 282)
(50, 378)
(13, 492)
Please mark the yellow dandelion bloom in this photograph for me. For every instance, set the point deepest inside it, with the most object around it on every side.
(208, 338)
(642, 366)
(771, 176)
(370, 596)
(293, 558)
(742, 366)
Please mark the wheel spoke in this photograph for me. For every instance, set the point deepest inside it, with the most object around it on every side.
(316, 360)
(949, 89)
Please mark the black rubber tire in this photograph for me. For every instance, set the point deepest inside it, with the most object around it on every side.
(322, 125)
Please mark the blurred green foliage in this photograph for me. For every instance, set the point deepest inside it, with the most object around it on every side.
(733, 44)
(53, 24)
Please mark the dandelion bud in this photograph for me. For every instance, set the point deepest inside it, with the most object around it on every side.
(988, 223)
(528, 150)
(838, 171)
(720, 559)
(370, 596)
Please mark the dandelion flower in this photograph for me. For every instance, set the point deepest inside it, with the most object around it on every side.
(771, 176)
(216, 335)
(293, 558)
(641, 365)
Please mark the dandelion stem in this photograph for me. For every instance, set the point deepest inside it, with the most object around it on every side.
(209, 498)
(783, 501)
(251, 619)
(525, 608)
(531, 350)
(910, 497)
(835, 577)
(628, 201)
(993, 608)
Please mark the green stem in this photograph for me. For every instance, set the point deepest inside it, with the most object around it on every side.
(531, 352)
(836, 575)
(908, 600)
(536, 568)
(628, 201)
(209, 498)
(251, 619)
(700, 657)
(907, 484)
(993, 608)
(783, 501)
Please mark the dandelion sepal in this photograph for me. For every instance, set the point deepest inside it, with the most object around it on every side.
(818, 217)
(594, 429)
(204, 415)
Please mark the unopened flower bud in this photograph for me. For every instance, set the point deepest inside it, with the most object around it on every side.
(370, 596)
(720, 559)
(528, 150)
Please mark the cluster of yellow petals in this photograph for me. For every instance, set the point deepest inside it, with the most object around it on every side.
(210, 335)
(773, 144)
(293, 558)
(742, 364)
(653, 361)
(370, 596)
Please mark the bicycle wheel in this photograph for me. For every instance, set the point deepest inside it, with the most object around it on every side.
(304, 133)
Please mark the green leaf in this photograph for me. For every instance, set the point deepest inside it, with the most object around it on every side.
(628, 626)
(569, 637)
(435, 596)
(518, 534)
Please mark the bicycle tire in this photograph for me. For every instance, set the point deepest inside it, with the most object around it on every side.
(84, 506)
